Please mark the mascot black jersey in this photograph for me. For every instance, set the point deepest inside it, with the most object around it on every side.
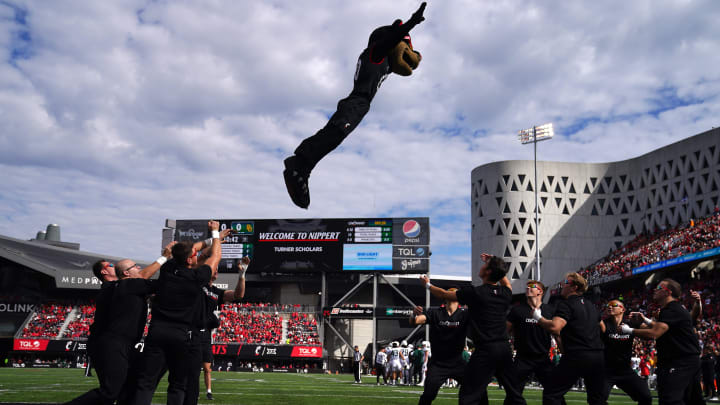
(389, 51)
(369, 75)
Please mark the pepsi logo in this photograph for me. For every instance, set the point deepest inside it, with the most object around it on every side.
(420, 252)
(36, 343)
(411, 228)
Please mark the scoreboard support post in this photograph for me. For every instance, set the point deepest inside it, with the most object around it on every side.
(397, 290)
(332, 328)
(427, 305)
(352, 291)
(323, 302)
(374, 319)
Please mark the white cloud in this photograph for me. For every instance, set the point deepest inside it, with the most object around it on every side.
(116, 116)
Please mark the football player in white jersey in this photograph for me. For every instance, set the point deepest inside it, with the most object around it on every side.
(427, 354)
(395, 362)
(405, 362)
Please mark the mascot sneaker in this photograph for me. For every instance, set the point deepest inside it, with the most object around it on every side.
(296, 181)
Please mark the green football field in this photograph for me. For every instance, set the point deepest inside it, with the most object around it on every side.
(60, 385)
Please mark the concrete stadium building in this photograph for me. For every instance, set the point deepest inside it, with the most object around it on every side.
(588, 209)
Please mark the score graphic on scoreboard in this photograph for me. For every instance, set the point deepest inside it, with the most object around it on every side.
(389, 245)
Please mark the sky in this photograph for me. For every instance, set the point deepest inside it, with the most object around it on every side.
(117, 115)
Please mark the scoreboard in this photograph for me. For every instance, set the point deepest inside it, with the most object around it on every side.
(390, 245)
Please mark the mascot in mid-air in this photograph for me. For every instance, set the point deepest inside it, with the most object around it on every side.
(389, 50)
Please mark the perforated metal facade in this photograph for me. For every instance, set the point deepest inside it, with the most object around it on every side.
(588, 209)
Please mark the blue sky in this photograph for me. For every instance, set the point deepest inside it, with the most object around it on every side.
(117, 115)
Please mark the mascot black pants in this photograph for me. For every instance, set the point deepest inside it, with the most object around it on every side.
(350, 111)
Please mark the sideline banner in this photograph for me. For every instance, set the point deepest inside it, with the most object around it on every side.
(682, 259)
(32, 345)
(47, 345)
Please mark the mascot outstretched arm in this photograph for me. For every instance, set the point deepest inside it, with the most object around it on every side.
(389, 50)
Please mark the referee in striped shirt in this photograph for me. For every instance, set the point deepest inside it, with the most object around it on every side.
(357, 362)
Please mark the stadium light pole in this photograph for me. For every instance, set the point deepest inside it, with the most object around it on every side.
(534, 135)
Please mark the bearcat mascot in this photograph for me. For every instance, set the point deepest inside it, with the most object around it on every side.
(389, 50)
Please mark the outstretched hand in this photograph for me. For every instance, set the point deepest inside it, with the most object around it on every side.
(417, 16)
(243, 266)
(167, 250)
(696, 296)
(224, 234)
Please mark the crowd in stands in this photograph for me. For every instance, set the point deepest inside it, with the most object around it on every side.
(302, 329)
(268, 307)
(47, 321)
(79, 328)
(239, 323)
(707, 284)
(645, 249)
(696, 236)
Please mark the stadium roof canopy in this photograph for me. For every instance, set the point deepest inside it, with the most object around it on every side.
(63, 262)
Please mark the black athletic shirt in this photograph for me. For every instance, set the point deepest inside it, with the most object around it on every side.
(531, 340)
(129, 308)
(369, 75)
(679, 343)
(488, 305)
(213, 300)
(373, 66)
(447, 333)
(582, 331)
(103, 303)
(618, 347)
(180, 299)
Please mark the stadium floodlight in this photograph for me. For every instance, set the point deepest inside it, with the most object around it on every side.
(534, 135)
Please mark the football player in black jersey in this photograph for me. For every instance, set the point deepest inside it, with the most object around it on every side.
(618, 351)
(577, 321)
(389, 50)
(532, 342)
(678, 350)
(448, 330)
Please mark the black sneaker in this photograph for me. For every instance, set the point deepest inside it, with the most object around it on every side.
(296, 181)
(209, 396)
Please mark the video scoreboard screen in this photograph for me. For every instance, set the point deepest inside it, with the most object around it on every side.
(391, 245)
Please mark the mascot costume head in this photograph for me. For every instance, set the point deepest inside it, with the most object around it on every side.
(403, 58)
